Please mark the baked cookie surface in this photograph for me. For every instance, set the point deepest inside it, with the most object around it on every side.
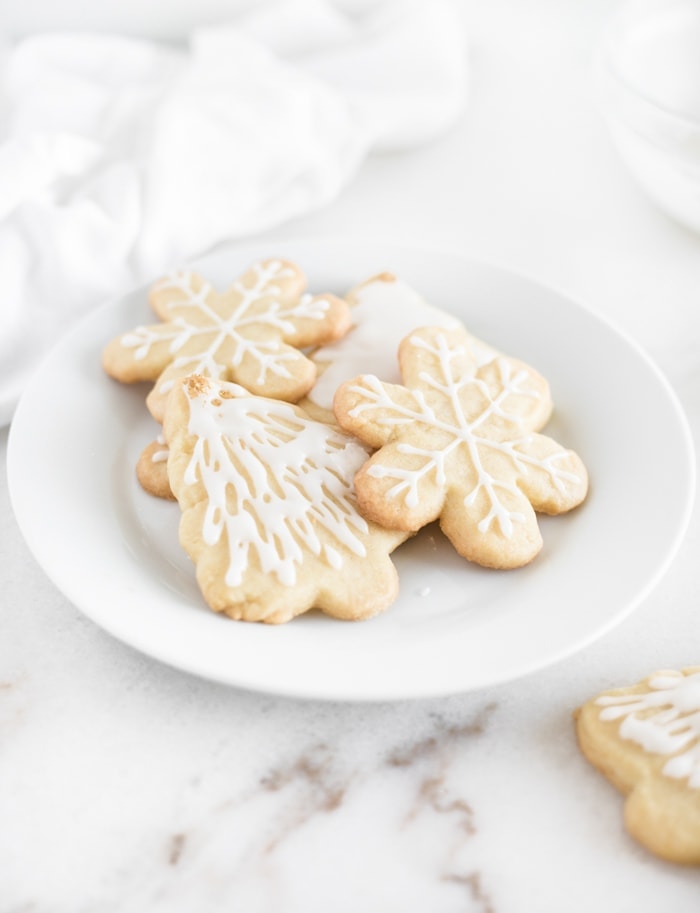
(269, 515)
(152, 469)
(458, 443)
(383, 309)
(646, 740)
(251, 333)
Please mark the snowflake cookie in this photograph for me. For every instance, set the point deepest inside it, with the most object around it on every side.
(250, 334)
(646, 740)
(269, 515)
(383, 310)
(459, 444)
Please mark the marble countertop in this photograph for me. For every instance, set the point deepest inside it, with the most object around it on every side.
(129, 786)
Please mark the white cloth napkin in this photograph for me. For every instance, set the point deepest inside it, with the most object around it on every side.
(122, 158)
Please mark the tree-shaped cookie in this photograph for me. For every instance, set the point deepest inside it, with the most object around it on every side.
(269, 514)
(646, 740)
(458, 444)
(251, 333)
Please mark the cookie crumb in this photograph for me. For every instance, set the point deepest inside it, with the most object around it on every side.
(196, 385)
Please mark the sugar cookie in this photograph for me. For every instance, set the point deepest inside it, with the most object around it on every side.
(152, 469)
(382, 310)
(269, 515)
(646, 740)
(251, 333)
(458, 444)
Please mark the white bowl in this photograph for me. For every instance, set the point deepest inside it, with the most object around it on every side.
(648, 73)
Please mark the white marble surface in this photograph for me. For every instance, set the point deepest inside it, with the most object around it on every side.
(127, 786)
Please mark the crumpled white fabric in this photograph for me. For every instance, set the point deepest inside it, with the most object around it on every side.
(122, 158)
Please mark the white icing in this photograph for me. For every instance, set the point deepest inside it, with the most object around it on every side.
(385, 312)
(664, 720)
(274, 480)
(215, 330)
(461, 430)
(161, 455)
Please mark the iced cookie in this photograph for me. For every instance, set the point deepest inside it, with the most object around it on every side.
(152, 469)
(269, 515)
(251, 333)
(458, 444)
(646, 740)
(383, 310)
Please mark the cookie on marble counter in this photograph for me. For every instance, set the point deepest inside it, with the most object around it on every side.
(457, 443)
(646, 740)
(269, 515)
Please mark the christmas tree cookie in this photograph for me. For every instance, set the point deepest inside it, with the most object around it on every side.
(269, 515)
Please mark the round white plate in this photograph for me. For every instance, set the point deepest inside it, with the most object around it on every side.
(113, 550)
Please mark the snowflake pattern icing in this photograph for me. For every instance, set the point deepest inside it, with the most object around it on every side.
(457, 442)
(251, 333)
(663, 719)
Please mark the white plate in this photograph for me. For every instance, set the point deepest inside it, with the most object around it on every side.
(113, 550)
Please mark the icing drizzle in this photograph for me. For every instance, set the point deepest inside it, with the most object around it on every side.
(277, 482)
(664, 720)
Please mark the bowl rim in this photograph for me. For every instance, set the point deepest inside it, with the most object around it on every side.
(605, 64)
